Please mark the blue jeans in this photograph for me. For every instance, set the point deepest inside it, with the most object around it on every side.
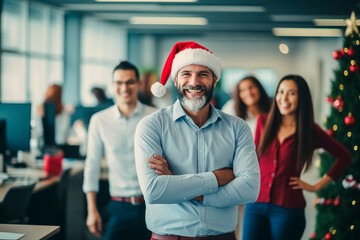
(266, 221)
(126, 221)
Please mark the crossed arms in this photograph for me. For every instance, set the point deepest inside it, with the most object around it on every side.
(219, 188)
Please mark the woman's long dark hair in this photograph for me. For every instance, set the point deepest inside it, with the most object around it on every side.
(241, 108)
(304, 124)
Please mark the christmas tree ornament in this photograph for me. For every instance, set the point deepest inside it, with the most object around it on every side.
(330, 132)
(338, 103)
(350, 182)
(351, 52)
(329, 99)
(337, 55)
(323, 201)
(351, 25)
(313, 235)
(354, 68)
(349, 119)
(328, 236)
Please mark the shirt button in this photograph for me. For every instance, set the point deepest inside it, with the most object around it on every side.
(210, 190)
(274, 160)
(269, 184)
(273, 174)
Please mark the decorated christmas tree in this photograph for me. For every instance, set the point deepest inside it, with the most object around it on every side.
(338, 205)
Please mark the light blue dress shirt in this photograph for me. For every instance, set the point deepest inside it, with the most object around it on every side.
(193, 154)
(111, 135)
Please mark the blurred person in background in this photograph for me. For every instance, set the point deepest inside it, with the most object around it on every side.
(102, 99)
(111, 135)
(62, 116)
(248, 101)
(145, 95)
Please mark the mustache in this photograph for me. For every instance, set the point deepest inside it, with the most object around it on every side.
(197, 87)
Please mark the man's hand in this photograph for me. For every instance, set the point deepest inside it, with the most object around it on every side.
(224, 176)
(94, 223)
(199, 198)
(160, 165)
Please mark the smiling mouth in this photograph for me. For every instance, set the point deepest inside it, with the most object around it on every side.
(194, 90)
(285, 105)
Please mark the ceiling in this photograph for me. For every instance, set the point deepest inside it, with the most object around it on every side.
(222, 16)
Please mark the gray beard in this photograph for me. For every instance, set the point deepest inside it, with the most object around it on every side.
(195, 104)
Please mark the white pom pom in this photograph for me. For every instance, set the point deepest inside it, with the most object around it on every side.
(158, 89)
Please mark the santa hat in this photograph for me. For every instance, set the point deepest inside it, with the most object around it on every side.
(184, 54)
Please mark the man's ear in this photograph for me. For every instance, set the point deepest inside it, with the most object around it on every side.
(175, 81)
(215, 81)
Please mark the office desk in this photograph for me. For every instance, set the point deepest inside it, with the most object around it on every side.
(74, 212)
(31, 231)
(30, 173)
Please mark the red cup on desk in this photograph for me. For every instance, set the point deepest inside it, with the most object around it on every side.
(53, 163)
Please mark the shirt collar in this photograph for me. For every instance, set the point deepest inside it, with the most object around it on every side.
(138, 110)
(179, 112)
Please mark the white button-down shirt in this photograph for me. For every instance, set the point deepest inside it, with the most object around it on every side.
(111, 135)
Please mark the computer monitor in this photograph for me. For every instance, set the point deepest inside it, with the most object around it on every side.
(17, 117)
(84, 113)
(2, 145)
(48, 121)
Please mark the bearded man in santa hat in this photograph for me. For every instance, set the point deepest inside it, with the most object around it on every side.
(195, 164)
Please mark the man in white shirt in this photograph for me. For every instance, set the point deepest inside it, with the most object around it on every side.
(111, 135)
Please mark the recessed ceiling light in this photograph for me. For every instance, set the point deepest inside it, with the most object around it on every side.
(161, 8)
(332, 22)
(307, 32)
(284, 49)
(172, 1)
(169, 20)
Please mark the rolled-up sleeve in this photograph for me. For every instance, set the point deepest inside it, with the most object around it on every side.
(94, 155)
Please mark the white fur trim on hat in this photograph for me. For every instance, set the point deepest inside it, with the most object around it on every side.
(196, 56)
(158, 89)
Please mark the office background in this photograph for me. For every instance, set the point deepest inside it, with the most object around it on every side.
(77, 44)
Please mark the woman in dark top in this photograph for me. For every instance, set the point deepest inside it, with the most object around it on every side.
(285, 141)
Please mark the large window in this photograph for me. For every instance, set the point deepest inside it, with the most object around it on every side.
(32, 50)
(103, 46)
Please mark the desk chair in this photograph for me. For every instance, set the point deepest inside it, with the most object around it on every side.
(61, 199)
(62, 189)
(13, 207)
